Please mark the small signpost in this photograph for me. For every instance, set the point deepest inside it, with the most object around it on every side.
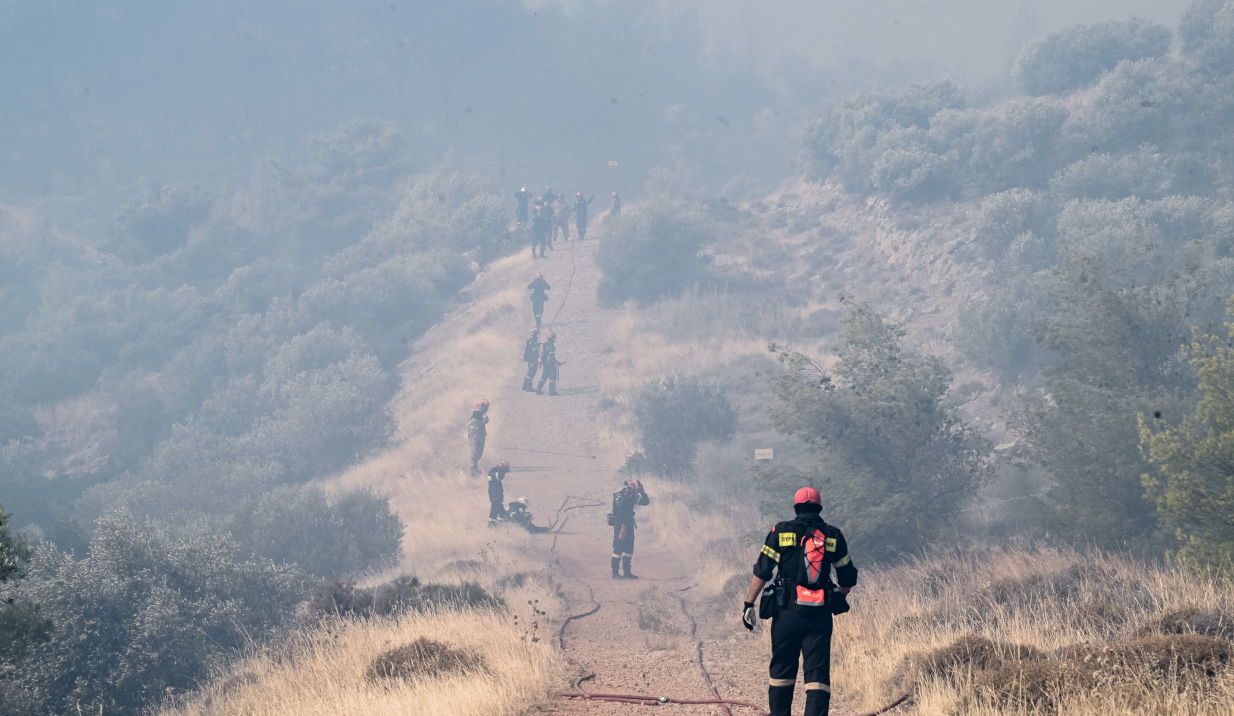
(762, 454)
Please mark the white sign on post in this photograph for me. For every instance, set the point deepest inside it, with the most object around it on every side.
(762, 454)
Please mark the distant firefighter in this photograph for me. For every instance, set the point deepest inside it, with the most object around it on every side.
(616, 205)
(622, 520)
(531, 356)
(497, 492)
(522, 196)
(477, 430)
(548, 365)
(580, 214)
(541, 223)
(539, 288)
(561, 212)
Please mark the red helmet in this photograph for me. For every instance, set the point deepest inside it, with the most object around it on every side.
(551, 334)
(634, 486)
(807, 495)
(503, 465)
(539, 275)
(579, 195)
(614, 193)
(482, 405)
(535, 331)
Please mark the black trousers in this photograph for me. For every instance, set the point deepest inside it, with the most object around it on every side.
(537, 310)
(796, 632)
(623, 539)
(496, 511)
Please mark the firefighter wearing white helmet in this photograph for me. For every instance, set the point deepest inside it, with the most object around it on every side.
(802, 599)
(622, 520)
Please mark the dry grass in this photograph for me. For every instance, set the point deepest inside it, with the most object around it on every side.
(1010, 630)
(330, 671)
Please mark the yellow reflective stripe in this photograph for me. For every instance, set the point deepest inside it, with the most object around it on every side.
(616, 556)
(771, 553)
(781, 682)
(844, 562)
(816, 686)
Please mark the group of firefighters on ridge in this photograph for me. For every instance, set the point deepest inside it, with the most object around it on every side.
(792, 574)
(549, 217)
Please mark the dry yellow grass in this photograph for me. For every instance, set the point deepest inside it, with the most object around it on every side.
(324, 672)
(1049, 600)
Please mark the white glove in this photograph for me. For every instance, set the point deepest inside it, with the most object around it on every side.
(749, 617)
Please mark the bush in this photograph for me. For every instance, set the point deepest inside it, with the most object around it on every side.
(653, 251)
(341, 596)
(144, 612)
(1207, 32)
(895, 460)
(1072, 58)
(673, 415)
(1007, 215)
(1102, 176)
(423, 658)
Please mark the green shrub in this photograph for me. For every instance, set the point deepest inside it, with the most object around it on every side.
(673, 415)
(653, 251)
(1071, 58)
(143, 612)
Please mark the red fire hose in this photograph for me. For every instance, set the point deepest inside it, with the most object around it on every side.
(649, 700)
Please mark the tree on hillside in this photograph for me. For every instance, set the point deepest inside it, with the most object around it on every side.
(1069, 59)
(1114, 326)
(895, 461)
(21, 621)
(1194, 486)
(674, 414)
(653, 251)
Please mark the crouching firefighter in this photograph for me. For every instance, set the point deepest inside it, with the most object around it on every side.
(623, 524)
(497, 493)
(801, 601)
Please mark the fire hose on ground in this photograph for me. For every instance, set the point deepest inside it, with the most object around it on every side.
(658, 700)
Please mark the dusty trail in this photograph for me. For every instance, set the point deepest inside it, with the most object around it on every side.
(646, 636)
(609, 643)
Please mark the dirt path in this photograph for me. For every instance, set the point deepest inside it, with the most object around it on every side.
(645, 636)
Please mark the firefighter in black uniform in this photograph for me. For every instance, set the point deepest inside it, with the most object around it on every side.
(521, 196)
(531, 356)
(616, 209)
(538, 289)
(477, 431)
(497, 493)
(580, 214)
(804, 550)
(539, 228)
(623, 526)
(548, 365)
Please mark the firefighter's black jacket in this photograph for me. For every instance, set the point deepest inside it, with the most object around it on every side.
(548, 354)
(623, 505)
(538, 288)
(531, 350)
(782, 549)
(496, 489)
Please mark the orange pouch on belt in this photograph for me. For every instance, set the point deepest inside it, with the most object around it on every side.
(811, 597)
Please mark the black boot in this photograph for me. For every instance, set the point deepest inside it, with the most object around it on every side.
(552, 387)
(780, 700)
(616, 564)
(540, 388)
(818, 702)
(625, 568)
(527, 385)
